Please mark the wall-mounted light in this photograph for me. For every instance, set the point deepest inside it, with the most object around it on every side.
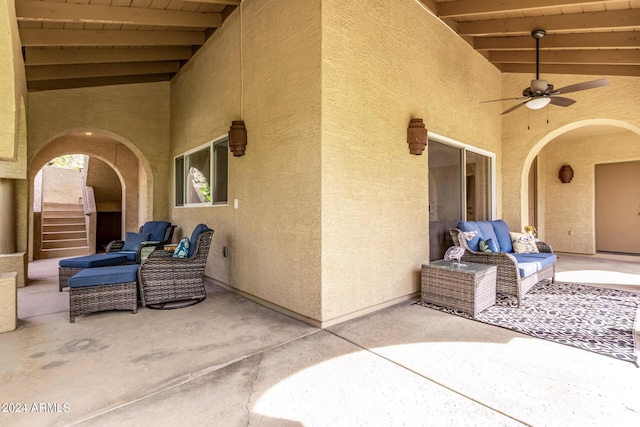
(565, 174)
(416, 136)
(538, 103)
(237, 138)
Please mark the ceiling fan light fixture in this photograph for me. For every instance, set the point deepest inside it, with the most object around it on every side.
(538, 103)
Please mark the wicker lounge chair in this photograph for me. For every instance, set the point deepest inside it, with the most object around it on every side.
(160, 234)
(517, 273)
(168, 282)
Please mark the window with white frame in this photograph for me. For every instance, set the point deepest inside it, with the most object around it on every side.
(201, 175)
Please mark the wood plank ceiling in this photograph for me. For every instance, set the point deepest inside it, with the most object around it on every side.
(80, 43)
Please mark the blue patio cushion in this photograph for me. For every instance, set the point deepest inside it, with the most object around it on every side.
(531, 263)
(104, 276)
(156, 229)
(484, 231)
(97, 260)
(194, 237)
(502, 233)
(471, 226)
(131, 255)
(133, 240)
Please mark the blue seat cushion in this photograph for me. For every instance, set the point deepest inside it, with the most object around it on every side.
(194, 237)
(97, 260)
(502, 233)
(156, 229)
(484, 231)
(131, 255)
(531, 263)
(104, 276)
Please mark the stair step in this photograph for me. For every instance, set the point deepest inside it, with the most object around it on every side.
(59, 220)
(49, 206)
(62, 214)
(55, 228)
(64, 252)
(65, 243)
(63, 235)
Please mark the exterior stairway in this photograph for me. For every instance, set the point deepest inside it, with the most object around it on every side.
(64, 231)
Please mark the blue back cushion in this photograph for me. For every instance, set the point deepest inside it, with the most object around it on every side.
(502, 233)
(471, 226)
(133, 240)
(194, 237)
(156, 230)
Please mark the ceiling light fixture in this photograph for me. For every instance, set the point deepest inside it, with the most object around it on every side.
(538, 103)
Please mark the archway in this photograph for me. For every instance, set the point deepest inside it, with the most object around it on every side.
(114, 151)
(567, 211)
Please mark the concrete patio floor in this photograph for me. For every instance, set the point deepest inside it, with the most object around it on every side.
(231, 362)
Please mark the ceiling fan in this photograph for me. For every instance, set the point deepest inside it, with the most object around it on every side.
(541, 94)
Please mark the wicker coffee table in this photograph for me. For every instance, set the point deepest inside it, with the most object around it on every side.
(469, 287)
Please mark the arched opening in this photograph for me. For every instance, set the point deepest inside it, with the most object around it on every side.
(118, 172)
(77, 206)
(566, 212)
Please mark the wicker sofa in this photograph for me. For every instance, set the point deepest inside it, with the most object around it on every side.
(517, 272)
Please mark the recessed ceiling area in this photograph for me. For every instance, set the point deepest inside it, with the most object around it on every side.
(81, 43)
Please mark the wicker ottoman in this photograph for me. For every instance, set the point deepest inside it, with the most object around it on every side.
(103, 288)
(70, 266)
(470, 287)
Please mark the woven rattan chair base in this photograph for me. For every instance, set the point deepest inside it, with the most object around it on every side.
(91, 299)
(64, 273)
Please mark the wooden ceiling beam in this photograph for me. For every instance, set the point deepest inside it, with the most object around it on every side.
(54, 56)
(607, 20)
(225, 2)
(29, 10)
(594, 70)
(58, 37)
(461, 8)
(53, 72)
(617, 57)
(41, 85)
(611, 40)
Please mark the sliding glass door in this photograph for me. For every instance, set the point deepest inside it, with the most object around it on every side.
(459, 189)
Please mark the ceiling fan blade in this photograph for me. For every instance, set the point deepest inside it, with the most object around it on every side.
(582, 86)
(561, 101)
(515, 107)
(506, 99)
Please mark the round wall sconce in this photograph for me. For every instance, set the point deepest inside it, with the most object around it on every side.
(416, 136)
(237, 138)
(565, 174)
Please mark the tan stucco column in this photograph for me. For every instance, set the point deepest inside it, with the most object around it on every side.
(7, 216)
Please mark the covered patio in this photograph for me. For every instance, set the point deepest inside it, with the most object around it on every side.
(229, 361)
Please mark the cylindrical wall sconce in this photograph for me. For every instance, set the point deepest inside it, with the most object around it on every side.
(565, 174)
(416, 136)
(237, 138)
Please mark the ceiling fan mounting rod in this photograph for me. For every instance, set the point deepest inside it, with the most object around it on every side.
(538, 34)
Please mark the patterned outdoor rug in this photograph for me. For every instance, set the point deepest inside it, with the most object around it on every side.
(595, 319)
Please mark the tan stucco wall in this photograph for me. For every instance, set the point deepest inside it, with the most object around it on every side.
(333, 210)
(569, 209)
(269, 76)
(13, 147)
(385, 62)
(135, 115)
(611, 105)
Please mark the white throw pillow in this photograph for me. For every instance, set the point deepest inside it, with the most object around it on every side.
(523, 243)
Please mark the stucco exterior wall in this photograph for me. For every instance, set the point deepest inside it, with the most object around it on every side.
(262, 66)
(136, 115)
(385, 62)
(569, 209)
(611, 105)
